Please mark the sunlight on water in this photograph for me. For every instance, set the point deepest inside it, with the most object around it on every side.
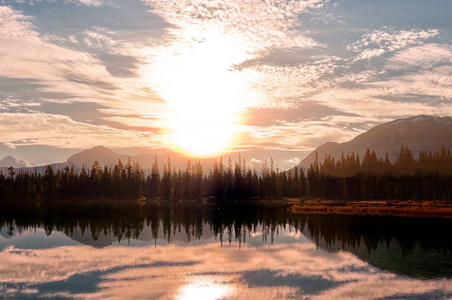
(204, 289)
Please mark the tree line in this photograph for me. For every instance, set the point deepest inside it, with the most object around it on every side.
(428, 177)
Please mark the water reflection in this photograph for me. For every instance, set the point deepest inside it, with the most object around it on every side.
(204, 288)
(235, 251)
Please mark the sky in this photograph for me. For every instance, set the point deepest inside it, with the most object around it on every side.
(263, 78)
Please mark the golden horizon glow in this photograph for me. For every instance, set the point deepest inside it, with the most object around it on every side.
(204, 94)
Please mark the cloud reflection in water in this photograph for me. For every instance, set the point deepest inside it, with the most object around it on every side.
(203, 271)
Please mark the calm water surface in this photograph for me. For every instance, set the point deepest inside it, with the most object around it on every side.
(236, 251)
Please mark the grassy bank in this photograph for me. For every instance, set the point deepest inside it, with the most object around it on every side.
(417, 211)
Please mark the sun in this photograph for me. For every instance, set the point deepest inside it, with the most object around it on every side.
(203, 91)
(202, 133)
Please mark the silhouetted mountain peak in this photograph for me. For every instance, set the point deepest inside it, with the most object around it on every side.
(100, 148)
(108, 157)
(103, 155)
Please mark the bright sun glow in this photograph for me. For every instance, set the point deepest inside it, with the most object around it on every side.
(203, 92)
(205, 289)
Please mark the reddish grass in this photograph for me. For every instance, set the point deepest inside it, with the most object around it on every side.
(410, 211)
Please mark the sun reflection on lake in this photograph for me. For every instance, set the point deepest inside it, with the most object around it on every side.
(204, 288)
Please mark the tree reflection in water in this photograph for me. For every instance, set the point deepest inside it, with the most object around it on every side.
(414, 247)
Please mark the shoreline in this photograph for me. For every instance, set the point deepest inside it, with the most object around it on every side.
(413, 211)
(426, 209)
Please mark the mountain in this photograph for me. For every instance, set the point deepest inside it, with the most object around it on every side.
(107, 157)
(103, 155)
(9, 161)
(418, 133)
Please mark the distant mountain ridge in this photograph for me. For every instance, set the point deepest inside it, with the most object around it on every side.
(109, 158)
(9, 161)
(103, 155)
(419, 133)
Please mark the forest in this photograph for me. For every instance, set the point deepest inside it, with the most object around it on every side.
(428, 176)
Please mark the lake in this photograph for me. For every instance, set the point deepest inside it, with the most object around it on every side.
(229, 251)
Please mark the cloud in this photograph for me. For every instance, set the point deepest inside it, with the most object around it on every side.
(370, 102)
(415, 80)
(423, 56)
(66, 75)
(108, 41)
(95, 3)
(258, 24)
(15, 25)
(73, 39)
(20, 129)
(285, 86)
(378, 42)
(26, 54)
(299, 136)
(435, 83)
(80, 76)
(91, 3)
(294, 161)
(255, 163)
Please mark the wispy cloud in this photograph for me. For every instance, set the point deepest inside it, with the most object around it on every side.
(423, 56)
(26, 54)
(260, 24)
(78, 76)
(370, 102)
(95, 3)
(294, 161)
(279, 86)
(299, 136)
(61, 131)
(381, 41)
